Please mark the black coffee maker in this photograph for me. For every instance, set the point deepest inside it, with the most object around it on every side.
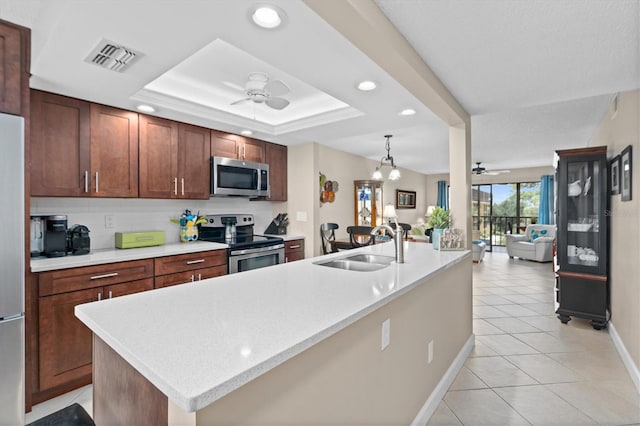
(55, 236)
(78, 241)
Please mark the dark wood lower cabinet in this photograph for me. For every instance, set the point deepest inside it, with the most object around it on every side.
(584, 297)
(293, 250)
(65, 343)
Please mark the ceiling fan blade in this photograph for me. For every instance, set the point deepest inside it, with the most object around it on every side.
(496, 172)
(277, 88)
(277, 103)
(240, 101)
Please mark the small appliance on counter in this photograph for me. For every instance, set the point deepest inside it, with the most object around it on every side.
(55, 236)
(278, 225)
(78, 241)
(37, 236)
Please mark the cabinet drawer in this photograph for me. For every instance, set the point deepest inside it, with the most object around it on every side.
(294, 250)
(189, 262)
(65, 280)
(127, 288)
(189, 276)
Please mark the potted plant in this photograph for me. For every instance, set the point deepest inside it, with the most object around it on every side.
(438, 221)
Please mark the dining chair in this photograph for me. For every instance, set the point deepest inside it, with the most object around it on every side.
(328, 235)
(360, 236)
(405, 226)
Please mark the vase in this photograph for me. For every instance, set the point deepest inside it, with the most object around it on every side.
(188, 233)
(435, 238)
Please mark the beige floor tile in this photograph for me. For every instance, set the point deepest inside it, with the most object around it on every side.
(477, 302)
(500, 291)
(504, 344)
(527, 290)
(488, 312)
(546, 297)
(520, 298)
(594, 365)
(481, 291)
(544, 322)
(543, 368)
(466, 380)
(600, 404)
(443, 416)
(547, 343)
(480, 349)
(517, 310)
(541, 308)
(512, 325)
(482, 407)
(493, 300)
(50, 406)
(497, 372)
(624, 388)
(482, 327)
(540, 406)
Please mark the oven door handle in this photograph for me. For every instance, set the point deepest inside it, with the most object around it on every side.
(256, 250)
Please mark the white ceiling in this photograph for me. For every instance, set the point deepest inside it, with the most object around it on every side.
(535, 75)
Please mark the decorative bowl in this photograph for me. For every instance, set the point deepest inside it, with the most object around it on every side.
(579, 227)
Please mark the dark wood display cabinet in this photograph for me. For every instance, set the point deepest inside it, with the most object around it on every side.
(582, 249)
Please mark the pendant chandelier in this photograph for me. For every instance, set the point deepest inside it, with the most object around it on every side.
(394, 174)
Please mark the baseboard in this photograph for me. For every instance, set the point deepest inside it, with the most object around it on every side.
(632, 368)
(440, 390)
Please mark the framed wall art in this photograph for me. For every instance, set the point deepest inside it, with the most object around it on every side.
(614, 173)
(405, 199)
(626, 169)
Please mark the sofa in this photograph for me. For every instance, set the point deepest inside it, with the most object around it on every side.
(535, 244)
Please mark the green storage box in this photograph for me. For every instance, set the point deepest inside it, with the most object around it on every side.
(126, 240)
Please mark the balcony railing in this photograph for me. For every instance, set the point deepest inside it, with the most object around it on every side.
(494, 228)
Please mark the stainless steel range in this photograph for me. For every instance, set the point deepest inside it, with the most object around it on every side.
(246, 250)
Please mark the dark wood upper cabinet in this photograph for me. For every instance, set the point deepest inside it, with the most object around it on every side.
(174, 159)
(60, 133)
(235, 146)
(277, 160)
(158, 157)
(114, 152)
(14, 67)
(194, 153)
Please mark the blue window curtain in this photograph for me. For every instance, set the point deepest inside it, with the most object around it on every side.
(545, 209)
(442, 195)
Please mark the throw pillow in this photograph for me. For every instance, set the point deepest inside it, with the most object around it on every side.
(535, 233)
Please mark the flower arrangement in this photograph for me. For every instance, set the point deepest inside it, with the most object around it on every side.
(439, 218)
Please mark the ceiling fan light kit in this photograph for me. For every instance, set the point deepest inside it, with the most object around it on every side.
(387, 161)
(479, 170)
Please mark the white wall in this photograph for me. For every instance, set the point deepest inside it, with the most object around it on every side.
(132, 214)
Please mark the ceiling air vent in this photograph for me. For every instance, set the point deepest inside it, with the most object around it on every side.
(112, 56)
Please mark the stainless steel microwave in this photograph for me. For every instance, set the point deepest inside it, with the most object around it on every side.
(241, 178)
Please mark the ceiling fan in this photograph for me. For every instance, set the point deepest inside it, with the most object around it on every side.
(479, 170)
(260, 89)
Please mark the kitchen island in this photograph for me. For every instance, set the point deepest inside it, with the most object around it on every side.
(295, 343)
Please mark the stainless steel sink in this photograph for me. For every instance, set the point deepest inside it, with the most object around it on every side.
(359, 262)
(371, 258)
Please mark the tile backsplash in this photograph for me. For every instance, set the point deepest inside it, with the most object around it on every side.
(135, 214)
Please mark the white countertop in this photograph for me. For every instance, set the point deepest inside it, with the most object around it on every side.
(287, 237)
(197, 342)
(99, 257)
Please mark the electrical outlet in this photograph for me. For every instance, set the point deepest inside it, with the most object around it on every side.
(301, 216)
(386, 333)
(430, 352)
(109, 221)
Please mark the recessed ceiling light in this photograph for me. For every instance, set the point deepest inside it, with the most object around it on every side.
(266, 17)
(146, 108)
(246, 132)
(366, 86)
(408, 111)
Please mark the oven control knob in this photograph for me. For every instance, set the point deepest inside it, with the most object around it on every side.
(210, 220)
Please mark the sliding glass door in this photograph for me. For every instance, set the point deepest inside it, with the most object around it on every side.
(503, 208)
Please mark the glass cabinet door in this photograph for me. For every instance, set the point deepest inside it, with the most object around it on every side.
(582, 225)
(368, 196)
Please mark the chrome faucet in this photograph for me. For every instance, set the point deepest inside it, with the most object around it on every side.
(398, 236)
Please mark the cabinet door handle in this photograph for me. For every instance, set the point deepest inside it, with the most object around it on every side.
(99, 297)
(295, 246)
(97, 180)
(244, 152)
(86, 181)
(175, 186)
(110, 294)
(193, 278)
(192, 262)
(286, 260)
(182, 182)
(199, 277)
(97, 277)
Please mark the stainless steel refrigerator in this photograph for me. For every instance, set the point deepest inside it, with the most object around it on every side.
(12, 263)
